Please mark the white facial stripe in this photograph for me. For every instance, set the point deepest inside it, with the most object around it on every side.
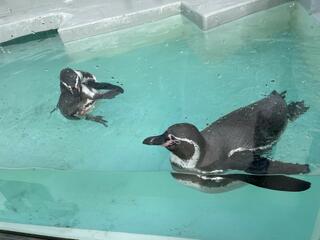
(79, 74)
(79, 77)
(190, 163)
(67, 86)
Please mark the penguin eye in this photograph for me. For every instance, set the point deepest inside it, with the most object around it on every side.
(173, 138)
(170, 137)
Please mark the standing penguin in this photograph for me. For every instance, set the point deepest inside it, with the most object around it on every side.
(237, 141)
(79, 92)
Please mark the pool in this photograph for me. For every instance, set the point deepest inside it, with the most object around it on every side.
(78, 174)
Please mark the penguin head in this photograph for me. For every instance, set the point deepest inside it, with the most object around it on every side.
(184, 140)
(70, 80)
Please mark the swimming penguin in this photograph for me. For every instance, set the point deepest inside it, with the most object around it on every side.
(237, 141)
(79, 91)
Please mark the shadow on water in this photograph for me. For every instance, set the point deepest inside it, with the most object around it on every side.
(39, 36)
(23, 202)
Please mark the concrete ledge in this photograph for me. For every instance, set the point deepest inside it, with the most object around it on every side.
(94, 27)
(31, 25)
(211, 14)
(78, 19)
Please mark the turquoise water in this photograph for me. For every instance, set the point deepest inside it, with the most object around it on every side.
(79, 174)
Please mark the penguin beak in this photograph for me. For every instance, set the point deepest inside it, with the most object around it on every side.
(156, 140)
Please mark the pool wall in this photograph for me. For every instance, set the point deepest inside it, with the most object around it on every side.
(80, 19)
(311, 5)
(79, 234)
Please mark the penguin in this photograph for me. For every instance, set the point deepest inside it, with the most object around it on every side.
(236, 142)
(79, 91)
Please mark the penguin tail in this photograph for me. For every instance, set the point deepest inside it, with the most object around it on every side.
(282, 94)
(295, 109)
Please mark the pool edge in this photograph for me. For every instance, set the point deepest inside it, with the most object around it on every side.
(81, 234)
(73, 25)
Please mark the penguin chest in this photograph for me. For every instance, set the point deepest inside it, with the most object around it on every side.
(87, 106)
(88, 92)
(182, 163)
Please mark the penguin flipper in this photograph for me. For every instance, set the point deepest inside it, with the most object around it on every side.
(107, 95)
(263, 165)
(213, 183)
(107, 86)
(295, 109)
(253, 163)
(273, 182)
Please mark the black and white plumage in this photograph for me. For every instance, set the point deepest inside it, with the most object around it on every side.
(236, 141)
(79, 92)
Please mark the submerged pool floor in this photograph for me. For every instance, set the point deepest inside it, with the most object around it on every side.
(79, 174)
